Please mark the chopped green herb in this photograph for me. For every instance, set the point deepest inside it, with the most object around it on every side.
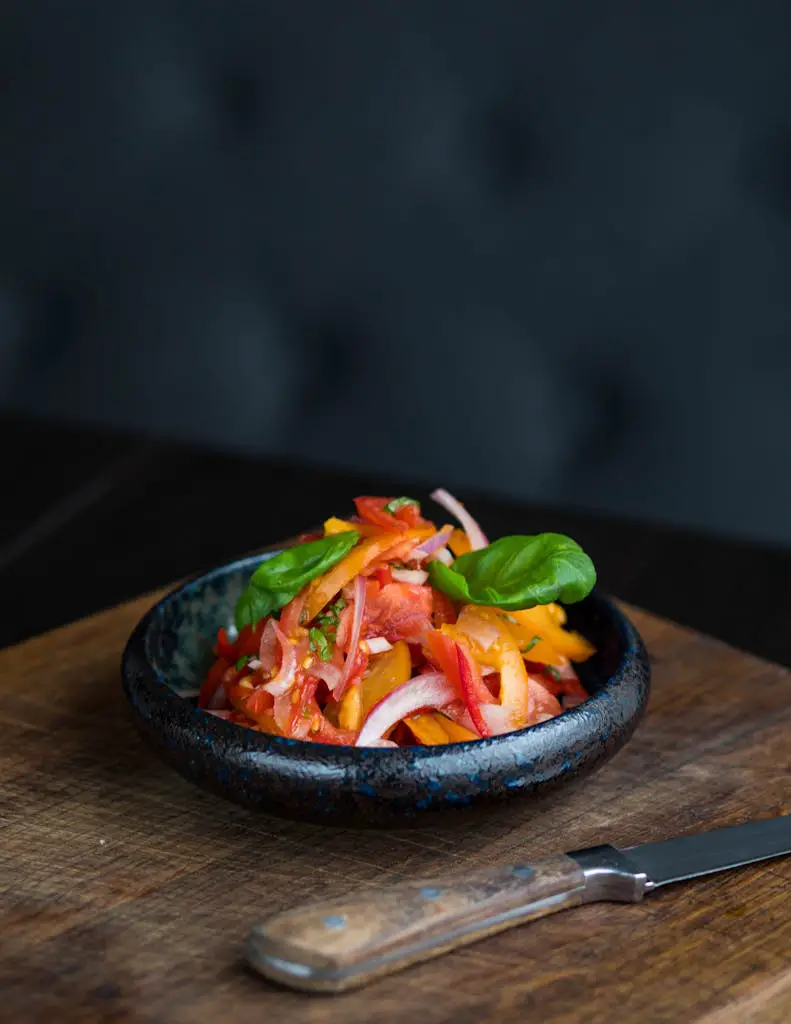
(529, 647)
(306, 712)
(393, 506)
(553, 672)
(320, 644)
(240, 664)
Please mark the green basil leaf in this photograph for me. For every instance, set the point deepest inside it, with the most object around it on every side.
(320, 644)
(393, 506)
(279, 579)
(518, 572)
(240, 664)
(252, 606)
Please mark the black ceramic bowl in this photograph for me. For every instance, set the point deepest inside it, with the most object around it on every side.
(170, 650)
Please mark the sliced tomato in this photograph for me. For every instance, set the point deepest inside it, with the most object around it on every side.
(563, 683)
(443, 611)
(541, 702)
(289, 617)
(398, 611)
(328, 733)
(259, 703)
(410, 514)
(372, 510)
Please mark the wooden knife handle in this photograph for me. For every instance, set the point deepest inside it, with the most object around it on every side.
(336, 946)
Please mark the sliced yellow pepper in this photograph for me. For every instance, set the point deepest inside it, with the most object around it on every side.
(432, 728)
(350, 713)
(334, 525)
(546, 621)
(427, 730)
(387, 671)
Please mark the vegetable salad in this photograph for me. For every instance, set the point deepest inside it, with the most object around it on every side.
(388, 630)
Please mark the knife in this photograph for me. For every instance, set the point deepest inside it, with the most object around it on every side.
(344, 944)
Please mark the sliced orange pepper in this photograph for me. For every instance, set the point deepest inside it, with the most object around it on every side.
(387, 671)
(459, 542)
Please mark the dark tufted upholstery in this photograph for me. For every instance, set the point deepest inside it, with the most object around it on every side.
(541, 248)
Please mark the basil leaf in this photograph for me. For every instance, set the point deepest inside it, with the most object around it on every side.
(518, 572)
(320, 644)
(279, 579)
(240, 664)
(252, 606)
(396, 503)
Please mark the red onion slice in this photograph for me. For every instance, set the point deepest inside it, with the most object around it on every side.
(475, 534)
(444, 556)
(284, 680)
(426, 691)
(416, 576)
(359, 593)
(497, 718)
(218, 712)
(267, 650)
(331, 674)
(435, 541)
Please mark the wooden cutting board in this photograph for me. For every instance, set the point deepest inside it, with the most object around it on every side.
(125, 893)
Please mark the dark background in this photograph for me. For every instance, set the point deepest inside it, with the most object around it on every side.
(535, 252)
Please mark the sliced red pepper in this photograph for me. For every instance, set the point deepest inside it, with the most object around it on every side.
(211, 682)
(471, 684)
(384, 575)
(450, 656)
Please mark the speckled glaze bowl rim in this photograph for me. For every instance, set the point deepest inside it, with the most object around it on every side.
(137, 669)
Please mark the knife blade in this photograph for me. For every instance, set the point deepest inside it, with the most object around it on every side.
(344, 944)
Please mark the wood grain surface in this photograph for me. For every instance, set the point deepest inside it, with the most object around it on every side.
(126, 894)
